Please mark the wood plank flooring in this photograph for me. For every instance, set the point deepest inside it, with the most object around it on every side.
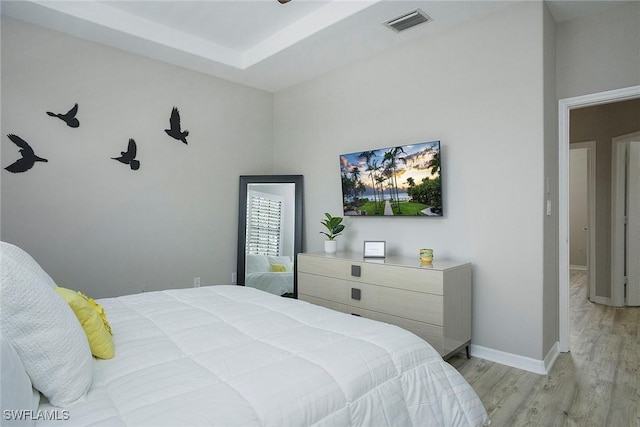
(596, 384)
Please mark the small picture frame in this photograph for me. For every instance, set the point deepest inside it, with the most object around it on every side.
(374, 249)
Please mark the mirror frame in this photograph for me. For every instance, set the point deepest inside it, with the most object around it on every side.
(245, 180)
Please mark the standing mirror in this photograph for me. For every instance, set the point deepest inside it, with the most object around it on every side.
(269, 232)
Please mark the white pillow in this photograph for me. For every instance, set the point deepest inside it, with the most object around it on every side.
(16, 392)
(44, 331)
(26, 260)
(257, 264)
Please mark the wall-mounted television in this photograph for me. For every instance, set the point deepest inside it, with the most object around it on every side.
(394, 181)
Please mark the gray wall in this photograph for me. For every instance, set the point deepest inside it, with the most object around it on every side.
(550, 193)
(94, 224)
(599, 52)
(479, 89)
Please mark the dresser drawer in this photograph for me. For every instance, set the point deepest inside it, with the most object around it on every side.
(418, 279)
(431, 333)
(433, 302)
(323, 302)
(398, 302)
(326, 288)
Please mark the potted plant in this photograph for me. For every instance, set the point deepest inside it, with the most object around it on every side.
(334, 227)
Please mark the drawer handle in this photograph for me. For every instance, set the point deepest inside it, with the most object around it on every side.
(355, 294)
(355, 270)
(353, 314)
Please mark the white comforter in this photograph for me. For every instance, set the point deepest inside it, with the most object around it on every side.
(237, 356)
(278, 283)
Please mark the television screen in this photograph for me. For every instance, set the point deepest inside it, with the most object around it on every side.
(395, 181)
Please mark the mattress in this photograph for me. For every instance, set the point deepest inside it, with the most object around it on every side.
(238, 356)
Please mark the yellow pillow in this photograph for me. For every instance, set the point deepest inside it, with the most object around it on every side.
(278, 268)
(93, 320)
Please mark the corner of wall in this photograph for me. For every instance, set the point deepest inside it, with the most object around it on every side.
(550, 200)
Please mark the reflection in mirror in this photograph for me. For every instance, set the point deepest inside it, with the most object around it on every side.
(269, 232)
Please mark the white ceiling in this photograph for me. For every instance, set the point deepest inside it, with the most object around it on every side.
(260, 43)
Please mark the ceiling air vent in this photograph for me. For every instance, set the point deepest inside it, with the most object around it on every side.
(408, 20)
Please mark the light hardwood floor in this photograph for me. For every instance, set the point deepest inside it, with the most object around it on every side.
(596, 384)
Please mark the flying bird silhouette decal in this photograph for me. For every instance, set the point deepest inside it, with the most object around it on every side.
(175, 131)
(28, 156)
(69, 118)
(128, 157)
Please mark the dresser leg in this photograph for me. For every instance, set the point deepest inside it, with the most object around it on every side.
(468, 354)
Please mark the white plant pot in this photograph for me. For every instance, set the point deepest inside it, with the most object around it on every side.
(330, 246)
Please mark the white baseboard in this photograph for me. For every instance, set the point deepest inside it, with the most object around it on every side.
(551, 357)
(536, 366)
(578, 267)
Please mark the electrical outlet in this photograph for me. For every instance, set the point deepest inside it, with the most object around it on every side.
(234, 278)
(196, 282)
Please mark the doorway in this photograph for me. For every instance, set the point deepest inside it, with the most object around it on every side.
(564, 108)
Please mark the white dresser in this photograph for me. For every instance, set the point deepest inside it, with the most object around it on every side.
(434, 302)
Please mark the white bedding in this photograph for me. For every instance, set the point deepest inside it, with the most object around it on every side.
(278, 283)
(237, 356)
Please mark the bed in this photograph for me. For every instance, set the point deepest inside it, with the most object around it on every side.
(273, 274)
(222, 356)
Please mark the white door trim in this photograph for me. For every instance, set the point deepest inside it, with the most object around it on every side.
(591, 215)
(564, 107)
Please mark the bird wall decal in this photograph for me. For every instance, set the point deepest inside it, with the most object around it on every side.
(69, 117)
(128, 157)
(28, 156)
(175, 131)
